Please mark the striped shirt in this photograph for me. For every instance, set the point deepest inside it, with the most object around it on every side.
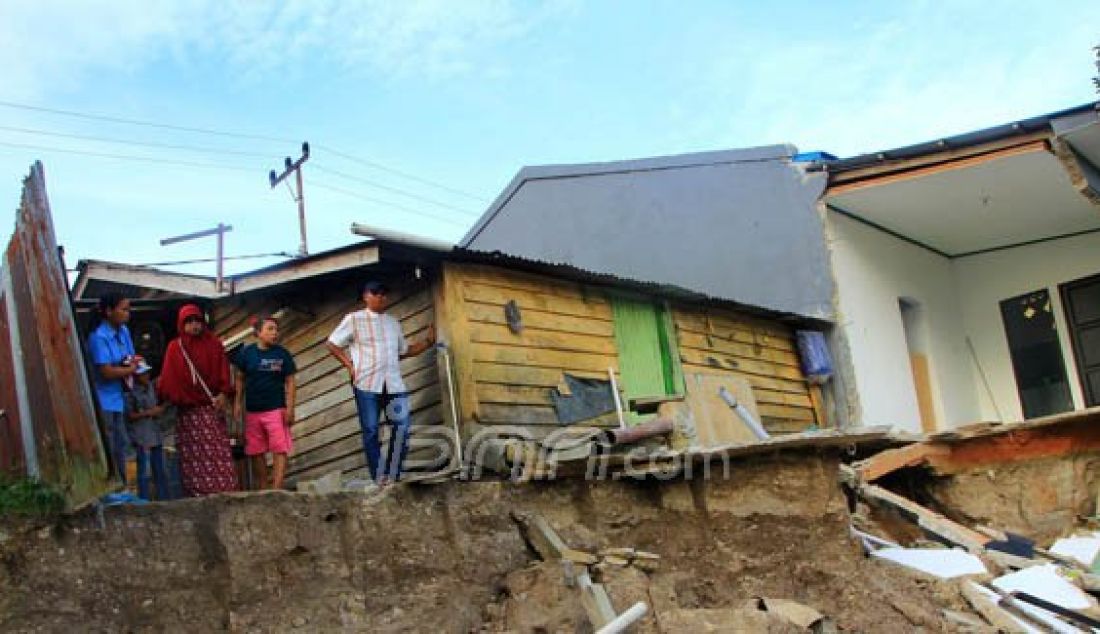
(375, 342)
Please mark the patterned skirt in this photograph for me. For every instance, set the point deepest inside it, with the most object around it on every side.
(206, 461)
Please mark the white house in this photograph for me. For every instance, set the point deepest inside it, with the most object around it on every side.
(968, 275)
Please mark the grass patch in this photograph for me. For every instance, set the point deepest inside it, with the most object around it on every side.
(24, 497)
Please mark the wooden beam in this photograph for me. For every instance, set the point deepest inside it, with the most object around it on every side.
(948, 155)
(905, 174)
(456, 324)
(988, 608)
(891, 460)
(541, 536)
(930, 521)
(192, 285)
(312, 267)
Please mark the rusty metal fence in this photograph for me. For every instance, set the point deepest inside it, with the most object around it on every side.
(48, 425)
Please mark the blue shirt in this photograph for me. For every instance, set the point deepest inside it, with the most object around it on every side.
(108, 347)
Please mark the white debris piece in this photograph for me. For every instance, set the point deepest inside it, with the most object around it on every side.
(1045, 582)
(1083, 549)
(939, 562)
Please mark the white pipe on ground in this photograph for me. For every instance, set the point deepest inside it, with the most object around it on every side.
(625, 620)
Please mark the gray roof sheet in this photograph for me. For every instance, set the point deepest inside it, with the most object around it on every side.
(736, 225)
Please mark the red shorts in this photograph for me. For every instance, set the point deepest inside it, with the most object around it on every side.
(266, 431)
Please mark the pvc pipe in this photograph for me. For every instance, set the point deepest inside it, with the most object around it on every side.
(625, 620)
(401, 237)
(454, 408)
(746, 416)
(615, 394)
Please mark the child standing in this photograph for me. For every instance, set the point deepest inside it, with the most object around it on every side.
(265, 396)
(146, 434)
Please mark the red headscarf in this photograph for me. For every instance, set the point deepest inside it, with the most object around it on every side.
(177, 383)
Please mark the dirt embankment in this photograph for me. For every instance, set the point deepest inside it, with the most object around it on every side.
(449, 558)
(1036, 498)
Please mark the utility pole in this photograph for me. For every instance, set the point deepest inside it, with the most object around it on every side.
(219, 231)
(275, 179)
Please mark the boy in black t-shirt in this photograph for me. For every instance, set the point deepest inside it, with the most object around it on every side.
(265, 397)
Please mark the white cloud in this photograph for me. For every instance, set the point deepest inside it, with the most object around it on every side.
(928, 71)
(58, 45)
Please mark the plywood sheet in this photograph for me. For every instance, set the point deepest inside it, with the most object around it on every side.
(715, 423)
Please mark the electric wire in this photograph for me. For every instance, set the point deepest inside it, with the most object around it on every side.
(150, 124)
(127, 157)
(277, 254)
(102, 139)
(387, 203)
(396, 172)
(147, 159)
(237, 135)
(394, 190)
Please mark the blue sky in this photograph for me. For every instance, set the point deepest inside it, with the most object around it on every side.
(464, 93)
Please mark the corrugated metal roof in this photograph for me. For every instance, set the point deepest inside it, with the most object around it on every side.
(737, 225)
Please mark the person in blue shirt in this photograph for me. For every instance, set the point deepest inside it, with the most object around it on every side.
(112, 353)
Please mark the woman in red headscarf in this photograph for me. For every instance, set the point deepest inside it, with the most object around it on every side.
(195, 378)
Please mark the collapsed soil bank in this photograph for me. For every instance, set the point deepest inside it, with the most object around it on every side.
(449, 558)
(1039, 499)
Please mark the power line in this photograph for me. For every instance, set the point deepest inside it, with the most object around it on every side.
(280, 254)
(150, 124)
(387, 203)
(395, 190)
(102, 139)
(383, 168)
(237, 135)
(213, 150)
(127, 157)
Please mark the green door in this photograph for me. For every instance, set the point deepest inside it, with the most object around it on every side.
(646, 361)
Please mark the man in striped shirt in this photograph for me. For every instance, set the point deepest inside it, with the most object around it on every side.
(370, 344)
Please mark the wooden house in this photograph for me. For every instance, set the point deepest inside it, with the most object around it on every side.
(570, 323)
(519, 325)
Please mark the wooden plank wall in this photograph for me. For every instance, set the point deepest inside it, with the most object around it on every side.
(326, 429)
(566, 328)
(507, 378)
(762, 351)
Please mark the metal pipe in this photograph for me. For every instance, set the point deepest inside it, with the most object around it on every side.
(649, 429)
(442, 347)
(401, 237)
(221, 257)
(618, 401)
(746, 416)
(625, 620)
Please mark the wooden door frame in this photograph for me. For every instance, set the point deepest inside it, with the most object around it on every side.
(1075, 341)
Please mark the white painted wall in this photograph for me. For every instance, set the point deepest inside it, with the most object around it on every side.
(985, 280)
(873, 270)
